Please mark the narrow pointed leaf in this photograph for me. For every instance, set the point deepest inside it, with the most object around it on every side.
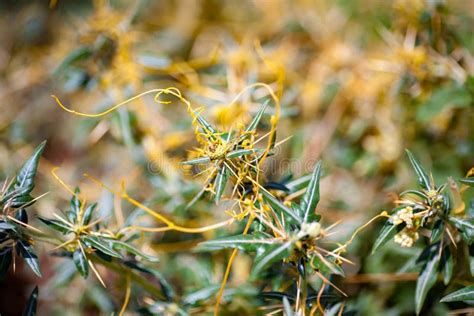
(242, 242)
(415, 192)
(471, 261)
(311, 197)
(220, 182)
(253, 125)
(278, 296)
(427, 277)
(423, 179)
(447, 265)
(272, 254)
(25, 180)
(55, 224)
(117, 244)
(388, 232)
(27, 253)
(239, 153)
(75, 204)
(468, 181)
(299, 184)
(81, 263)
(465, 294)
(88, 213)
(197, 161)
(204, 124)
(329, 264)
(437, 231)
(279, 206)
(21, 200)
(102, 245)
(22, 216)
(465, 226)
(201, 294)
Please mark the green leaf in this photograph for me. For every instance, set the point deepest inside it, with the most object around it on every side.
(437, 231)
(465, 226)
(122, 245)
(102, 245)
(27, 252)
(197, 161)
(327, 264)
(299, 184)
(279, 206)
(427, 277)
(277, 296)
(21, 200)
(423, 179)
(415, 192)
(465, 294)
(25, 180)
(204, 124)
(88, 212)
(57, 225)
(271, 254)
(242, 242)
(75, 204)
(468, 181)
(22, 216)
(81, 263)
(220, 182)
(445, 98)
(239, 153)
(447, 265)
(311, 197)
(253, 125)
(388, 231)
(201, 294)
(30, 309)
(471, 260)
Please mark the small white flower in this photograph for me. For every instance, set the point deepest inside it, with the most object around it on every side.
(403, 215)
(311, 229)
(406, 238)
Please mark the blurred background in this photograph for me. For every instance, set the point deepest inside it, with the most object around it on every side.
(359, 82)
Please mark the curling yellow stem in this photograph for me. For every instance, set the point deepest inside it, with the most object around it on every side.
(127, 296)
(158, 92)
(227, 270)
(170, 225)
(113, 108)
(189, 230)
(383, 214)
(61, 182)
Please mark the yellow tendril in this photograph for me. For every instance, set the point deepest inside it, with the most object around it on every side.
(170, 225)
(127, 295)
(227, 270)
(347, 243)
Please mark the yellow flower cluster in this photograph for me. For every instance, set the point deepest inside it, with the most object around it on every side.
(406, 238)
(404, 215)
